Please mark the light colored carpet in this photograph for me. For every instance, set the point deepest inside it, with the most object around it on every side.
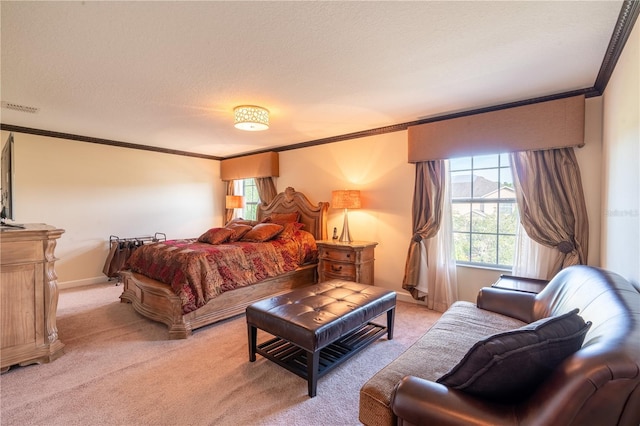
(120, 369)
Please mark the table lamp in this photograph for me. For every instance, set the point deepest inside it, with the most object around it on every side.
(345, 199)
(233, 202)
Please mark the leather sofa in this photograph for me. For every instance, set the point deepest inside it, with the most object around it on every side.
(599, 384)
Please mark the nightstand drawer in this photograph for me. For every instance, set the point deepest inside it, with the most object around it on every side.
(340, 255)
(339, 270)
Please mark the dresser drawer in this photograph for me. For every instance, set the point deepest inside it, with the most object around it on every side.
(22, 252)
(338, 255)
(339, 270)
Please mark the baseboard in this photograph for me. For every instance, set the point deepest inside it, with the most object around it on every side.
(406, 297)
(79, 283)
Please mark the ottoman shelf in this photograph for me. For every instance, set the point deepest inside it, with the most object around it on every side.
(294, 359)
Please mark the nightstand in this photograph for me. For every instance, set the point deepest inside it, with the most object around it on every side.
(347, 261)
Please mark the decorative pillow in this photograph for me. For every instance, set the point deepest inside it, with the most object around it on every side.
(241, 221)
(215, 236)
(507, 367)
(238, 231)
(282, 218)
(263, 232)
(290, 230)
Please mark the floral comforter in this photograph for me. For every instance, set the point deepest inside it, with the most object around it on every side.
(198, 272)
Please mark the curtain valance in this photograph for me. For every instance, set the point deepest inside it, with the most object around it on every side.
(545, 125)
(251, 166)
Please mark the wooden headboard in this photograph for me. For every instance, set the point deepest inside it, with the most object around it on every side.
(314, 217)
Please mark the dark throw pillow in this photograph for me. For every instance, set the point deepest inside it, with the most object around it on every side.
(215, 236)
(507, 367)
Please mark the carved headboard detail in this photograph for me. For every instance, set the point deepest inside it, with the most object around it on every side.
(314, 217)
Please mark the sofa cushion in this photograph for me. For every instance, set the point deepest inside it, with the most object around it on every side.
(435, 353)
(508, 366)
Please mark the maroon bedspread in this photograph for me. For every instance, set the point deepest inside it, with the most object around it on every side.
(198, 272)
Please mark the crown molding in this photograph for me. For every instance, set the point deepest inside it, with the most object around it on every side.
(80, 138)
(624, 25)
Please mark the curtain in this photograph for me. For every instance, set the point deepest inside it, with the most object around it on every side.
(533, 260)
(228, 213)
(429, 269)
(551, 203)
(266, 189)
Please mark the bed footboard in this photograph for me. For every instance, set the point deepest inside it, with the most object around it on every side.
(157, 301)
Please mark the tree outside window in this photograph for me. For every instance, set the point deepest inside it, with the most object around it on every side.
(484, 210)
(247, 187)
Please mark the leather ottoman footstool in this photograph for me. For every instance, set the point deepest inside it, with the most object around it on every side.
(319, 326)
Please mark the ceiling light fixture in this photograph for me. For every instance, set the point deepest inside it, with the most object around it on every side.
(251, 117)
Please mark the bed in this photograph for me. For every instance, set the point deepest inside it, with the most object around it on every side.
(158, 300)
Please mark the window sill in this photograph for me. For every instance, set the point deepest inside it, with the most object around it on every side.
(488, 268)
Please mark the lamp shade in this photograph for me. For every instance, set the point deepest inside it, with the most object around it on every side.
(251, 117)
(346, 199)
(233, 202)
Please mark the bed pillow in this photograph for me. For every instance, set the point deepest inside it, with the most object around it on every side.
(215, 236)
(289, 230)
(282, 218)
(241, 221)
(263, 232)
(239, 231)
(507, 367)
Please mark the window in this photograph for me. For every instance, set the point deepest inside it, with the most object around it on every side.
(484, 210)
(247, 188)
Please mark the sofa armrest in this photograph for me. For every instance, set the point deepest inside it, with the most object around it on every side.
(515, 304)
(418, 401)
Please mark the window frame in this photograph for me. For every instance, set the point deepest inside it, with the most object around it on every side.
(499, 202)
(250, 206)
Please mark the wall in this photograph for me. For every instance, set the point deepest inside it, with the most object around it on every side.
(93, 191)
(378, 167)
(621, 157)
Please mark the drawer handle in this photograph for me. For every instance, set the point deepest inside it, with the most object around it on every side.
(335, 268)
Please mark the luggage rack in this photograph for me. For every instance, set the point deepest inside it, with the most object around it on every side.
(158, 236)
(121, 248)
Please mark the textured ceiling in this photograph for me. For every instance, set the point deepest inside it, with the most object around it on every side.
(168, 74)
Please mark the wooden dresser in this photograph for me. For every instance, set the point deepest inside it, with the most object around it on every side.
(347, 261)
(28, 296)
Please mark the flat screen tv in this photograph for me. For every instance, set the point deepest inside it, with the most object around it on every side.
(8, 171)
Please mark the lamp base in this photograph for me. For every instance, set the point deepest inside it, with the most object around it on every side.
(345, 237)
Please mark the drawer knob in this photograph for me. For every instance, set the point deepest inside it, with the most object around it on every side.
(335, 268)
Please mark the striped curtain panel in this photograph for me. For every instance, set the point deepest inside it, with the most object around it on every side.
(266, 189)
(228, 213)
(430, 269)
(551, 203)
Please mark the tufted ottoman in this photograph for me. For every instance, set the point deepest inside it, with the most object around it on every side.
(320, 326)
